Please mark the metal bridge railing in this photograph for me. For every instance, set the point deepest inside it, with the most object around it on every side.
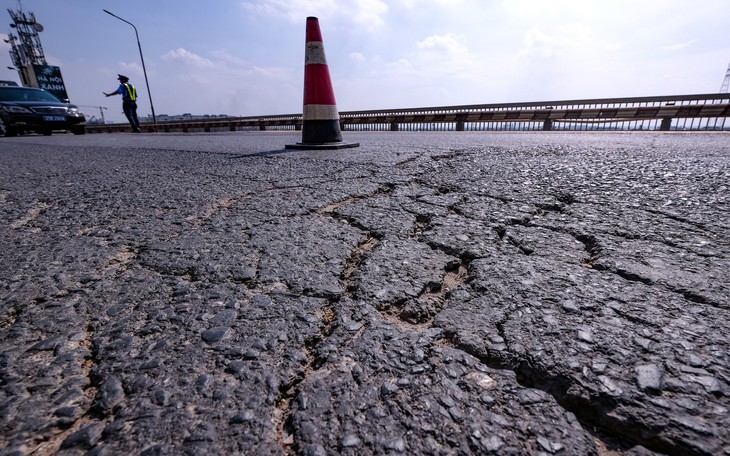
(704, 112)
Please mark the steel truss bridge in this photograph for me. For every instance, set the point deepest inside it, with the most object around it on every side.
(704, 112)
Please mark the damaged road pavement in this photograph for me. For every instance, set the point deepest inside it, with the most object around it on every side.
(426, 293)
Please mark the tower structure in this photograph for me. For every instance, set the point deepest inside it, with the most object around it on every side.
(725, 87)
(26, 53)
(25, 48)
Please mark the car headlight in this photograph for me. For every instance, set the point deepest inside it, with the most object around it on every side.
(73, 110)
(15, 109)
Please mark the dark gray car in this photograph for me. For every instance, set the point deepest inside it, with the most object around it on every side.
(26, 109)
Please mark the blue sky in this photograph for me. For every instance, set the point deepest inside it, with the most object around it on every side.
(246, 57)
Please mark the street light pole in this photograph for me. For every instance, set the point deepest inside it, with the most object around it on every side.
(144, 70)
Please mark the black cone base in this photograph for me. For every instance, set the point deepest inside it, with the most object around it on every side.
(322, 146)
(321, 135)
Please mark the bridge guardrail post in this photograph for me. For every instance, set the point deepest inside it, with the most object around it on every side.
(666, 124)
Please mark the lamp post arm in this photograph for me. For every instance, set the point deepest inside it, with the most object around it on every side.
(123, 20)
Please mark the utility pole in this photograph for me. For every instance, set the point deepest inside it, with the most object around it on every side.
(725, 88)
(25, 48)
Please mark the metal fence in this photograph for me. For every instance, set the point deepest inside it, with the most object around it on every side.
(705, 112)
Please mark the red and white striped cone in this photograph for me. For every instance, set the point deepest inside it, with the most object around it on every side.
(320, 118)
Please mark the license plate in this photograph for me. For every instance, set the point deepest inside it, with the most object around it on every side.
(54, 118)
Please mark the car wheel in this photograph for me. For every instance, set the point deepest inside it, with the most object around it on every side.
(78, 130)
(7, 131)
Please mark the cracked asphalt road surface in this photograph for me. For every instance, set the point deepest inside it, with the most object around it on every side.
(426, 293)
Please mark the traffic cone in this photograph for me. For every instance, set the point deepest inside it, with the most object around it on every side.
(320, 118)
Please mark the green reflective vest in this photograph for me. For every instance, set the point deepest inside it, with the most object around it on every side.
(131, 91)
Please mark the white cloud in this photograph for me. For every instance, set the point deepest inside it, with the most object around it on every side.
(401, 64)
(273, 73)
(558, 42)
(131, 69)
(411, 4)
(225, 56)
(367, 13)
(561, 10)
(188, 58)
(451, 43)
(357, 57)
(293, 10)
(195, 78)
(679, 46)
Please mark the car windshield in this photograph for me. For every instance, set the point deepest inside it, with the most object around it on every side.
(25, 94)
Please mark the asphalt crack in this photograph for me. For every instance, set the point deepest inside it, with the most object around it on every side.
(39, 207)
